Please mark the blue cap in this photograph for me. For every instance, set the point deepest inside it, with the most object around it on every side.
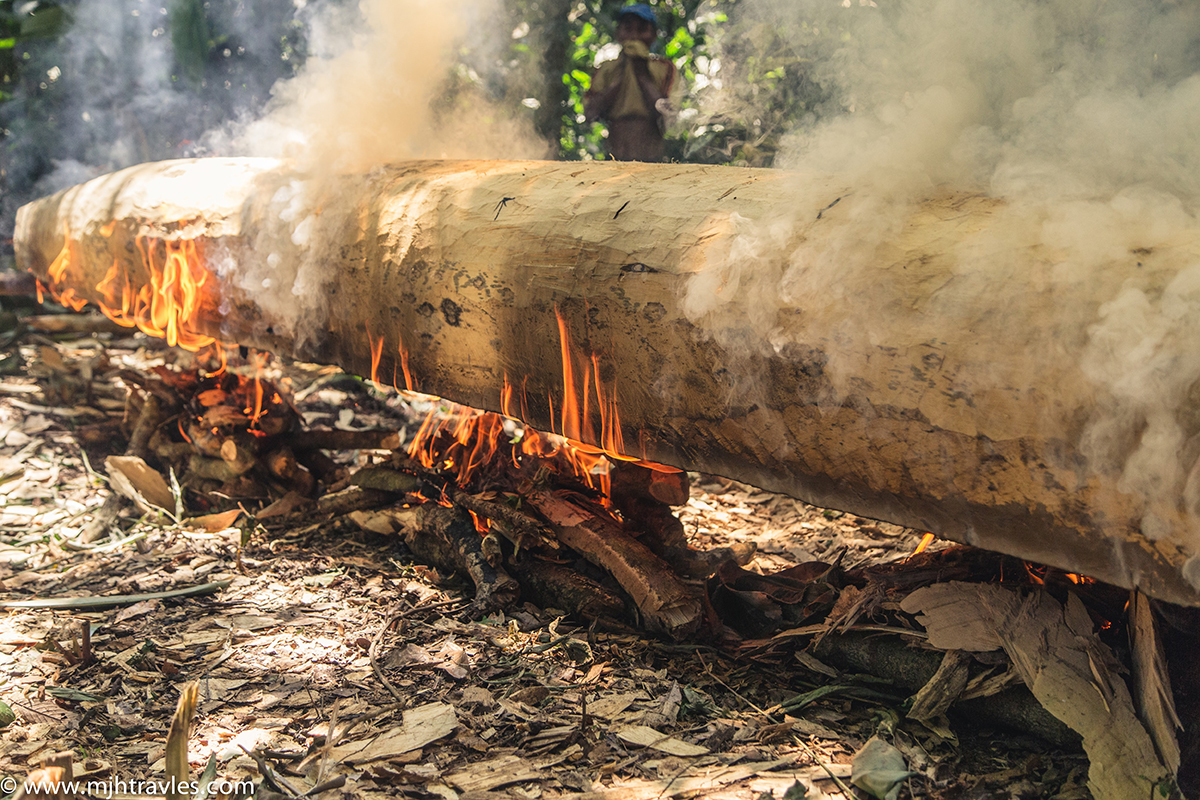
(640, 10)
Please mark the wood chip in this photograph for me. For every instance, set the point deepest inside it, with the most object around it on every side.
(497, 772)
(422, 725)
(644, 736)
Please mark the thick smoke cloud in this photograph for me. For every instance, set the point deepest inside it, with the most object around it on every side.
(112, 91)
(372, 94)
(330, 85)
(1079, 115)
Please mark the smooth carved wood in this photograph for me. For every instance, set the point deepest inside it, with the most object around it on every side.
(942, 426)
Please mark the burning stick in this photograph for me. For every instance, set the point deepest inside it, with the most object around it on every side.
(666, 604)
(446, 538)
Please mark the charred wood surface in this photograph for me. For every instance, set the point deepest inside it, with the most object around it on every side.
(667, 604)
(449, 278)
(446, 538)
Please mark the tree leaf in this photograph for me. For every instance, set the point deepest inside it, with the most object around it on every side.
(46, 22)
(879, 769)
(190, 37)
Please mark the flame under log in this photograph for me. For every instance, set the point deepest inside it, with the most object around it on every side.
(495, 283)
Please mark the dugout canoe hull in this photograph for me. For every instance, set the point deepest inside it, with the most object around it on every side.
(971, 420)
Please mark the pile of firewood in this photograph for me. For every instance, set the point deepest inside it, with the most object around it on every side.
(523, 522)
(520, 524)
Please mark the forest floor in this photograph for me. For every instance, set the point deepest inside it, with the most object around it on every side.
(330, 663)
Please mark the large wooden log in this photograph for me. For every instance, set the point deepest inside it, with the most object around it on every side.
(969, 419)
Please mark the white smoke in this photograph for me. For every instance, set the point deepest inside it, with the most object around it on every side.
(1080, 116)
(367, 97)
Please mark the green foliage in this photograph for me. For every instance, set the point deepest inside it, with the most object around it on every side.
(23, 23)
(684, 31)
(190, 38)
(766, 88)
(43, 21)
(748, 83)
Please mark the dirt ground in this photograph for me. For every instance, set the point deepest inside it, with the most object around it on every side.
(329, 663)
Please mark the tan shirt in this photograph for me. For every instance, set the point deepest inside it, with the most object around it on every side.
(629, 102)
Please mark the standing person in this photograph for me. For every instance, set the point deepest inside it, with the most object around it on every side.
(637, 93)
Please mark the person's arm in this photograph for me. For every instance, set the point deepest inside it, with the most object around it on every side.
(651, 91)
(598, 102)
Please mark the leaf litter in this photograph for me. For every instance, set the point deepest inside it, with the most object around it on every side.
(330, 663)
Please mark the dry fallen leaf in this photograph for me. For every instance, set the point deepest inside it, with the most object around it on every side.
(141, 483)
(879, 769)
(644, 736)
(215, 522)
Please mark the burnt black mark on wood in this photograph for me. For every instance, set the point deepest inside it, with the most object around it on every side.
(826, 208)
(425, 310)
(503, 204)
(452, 312)
(954, 395)
(619, 210)
(637, 266)
(507, 296)
(653, 312)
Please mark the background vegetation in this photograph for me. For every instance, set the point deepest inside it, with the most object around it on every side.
(94, 85)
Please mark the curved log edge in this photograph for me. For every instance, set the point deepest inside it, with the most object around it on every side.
(481, 281)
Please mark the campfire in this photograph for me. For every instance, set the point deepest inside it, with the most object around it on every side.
(518, 497)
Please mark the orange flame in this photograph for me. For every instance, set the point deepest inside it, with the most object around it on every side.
(376, 354)
(219, 351)
(482, 524)
(166, 307)
(165, 300)
(260, 360)
(926, 540)
(173, 296)
(591, 463)
(409, 383)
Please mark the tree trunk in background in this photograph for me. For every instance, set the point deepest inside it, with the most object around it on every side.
(553, 33)
(470, 276)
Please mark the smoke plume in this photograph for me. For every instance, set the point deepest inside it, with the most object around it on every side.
(375, 92)
(1079, 117)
